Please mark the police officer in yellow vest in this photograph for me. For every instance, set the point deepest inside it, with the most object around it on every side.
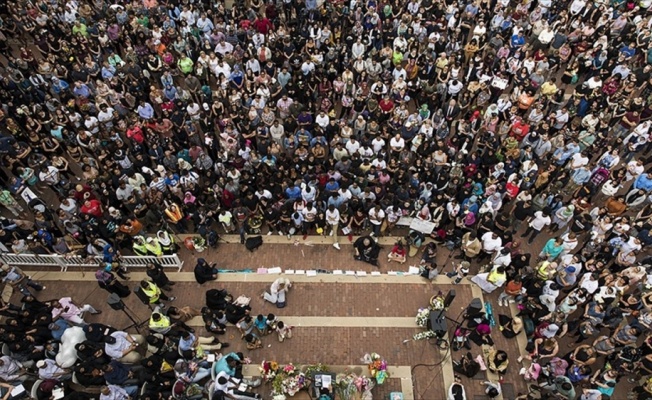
(153, 247)
(167, 242)
(159, 323)
(154, 293)
(140, 246)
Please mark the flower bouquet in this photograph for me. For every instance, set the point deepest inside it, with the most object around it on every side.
(268, 370)
(288, 381)
(310, 370)
(377, 367)
(424, 335)
(423, 315)
(345, 388)
(437, 301)
(199, 243)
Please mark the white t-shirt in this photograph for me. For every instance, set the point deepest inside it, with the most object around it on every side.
(489, 244)
(333, 217)
(540, 221)
(378, 144)
(380, 216)
(397, 143)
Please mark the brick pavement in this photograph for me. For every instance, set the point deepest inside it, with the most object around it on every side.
(335, 345)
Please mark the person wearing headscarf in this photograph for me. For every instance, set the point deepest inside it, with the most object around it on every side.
(205, 272)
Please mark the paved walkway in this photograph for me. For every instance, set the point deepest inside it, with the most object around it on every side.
(338, 318)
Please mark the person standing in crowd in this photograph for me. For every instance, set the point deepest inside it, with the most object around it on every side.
(492, 121)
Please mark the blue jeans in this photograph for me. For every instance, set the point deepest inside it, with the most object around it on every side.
(132, 390)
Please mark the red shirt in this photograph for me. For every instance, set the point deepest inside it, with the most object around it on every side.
(386, 105)
(263, 25)
(519, 130)
(94, 208)
(136, 134)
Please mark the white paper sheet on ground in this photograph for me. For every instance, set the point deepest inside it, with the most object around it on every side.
(375, 273)
(394, 273)
(299, 272)
(311, 272)
(349, 273)
(210, 357)
(289, 272)
(338, 272)
(17, 390)
(58, 393)
(261, 270)
(275, 270)
(413, 270)
(361, 273)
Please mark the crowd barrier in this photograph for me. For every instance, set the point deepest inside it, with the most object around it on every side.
(64, 262)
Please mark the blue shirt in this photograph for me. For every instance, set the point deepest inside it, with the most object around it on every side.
(517, 41)
(145, 111)
(186, 344)
(643, 182)
(63, 325)
(293, 192)
(223, 366)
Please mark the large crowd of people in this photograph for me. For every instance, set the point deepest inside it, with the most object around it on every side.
(521, 130)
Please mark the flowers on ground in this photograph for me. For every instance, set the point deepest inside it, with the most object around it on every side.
(422, 317)
(286, 380)
(268, 370)
(377, 367)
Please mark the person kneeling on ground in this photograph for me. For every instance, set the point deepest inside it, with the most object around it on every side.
(277, 292)
(367, 250)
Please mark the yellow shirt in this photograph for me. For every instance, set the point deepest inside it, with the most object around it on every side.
(548, 89)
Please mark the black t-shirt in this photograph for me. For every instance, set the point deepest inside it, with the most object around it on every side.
(522, 213)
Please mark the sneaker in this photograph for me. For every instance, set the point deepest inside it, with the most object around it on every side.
(224, 345)
(330, 234)
(173, 298)
(269, 233)
(289, 236)
(305, 237)
(43, 288)
(280, 233)
(336, 245)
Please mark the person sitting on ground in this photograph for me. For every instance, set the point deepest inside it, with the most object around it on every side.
(428, 262)
(231, 364)
(398, 253)
(466, 366)
(497, 361)
(253, 341)
(284, 331)
(212, 321)
(205, 272)
(456, 390)
(66, 309)
(124, 347)
(189, 343)
(367, 250)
